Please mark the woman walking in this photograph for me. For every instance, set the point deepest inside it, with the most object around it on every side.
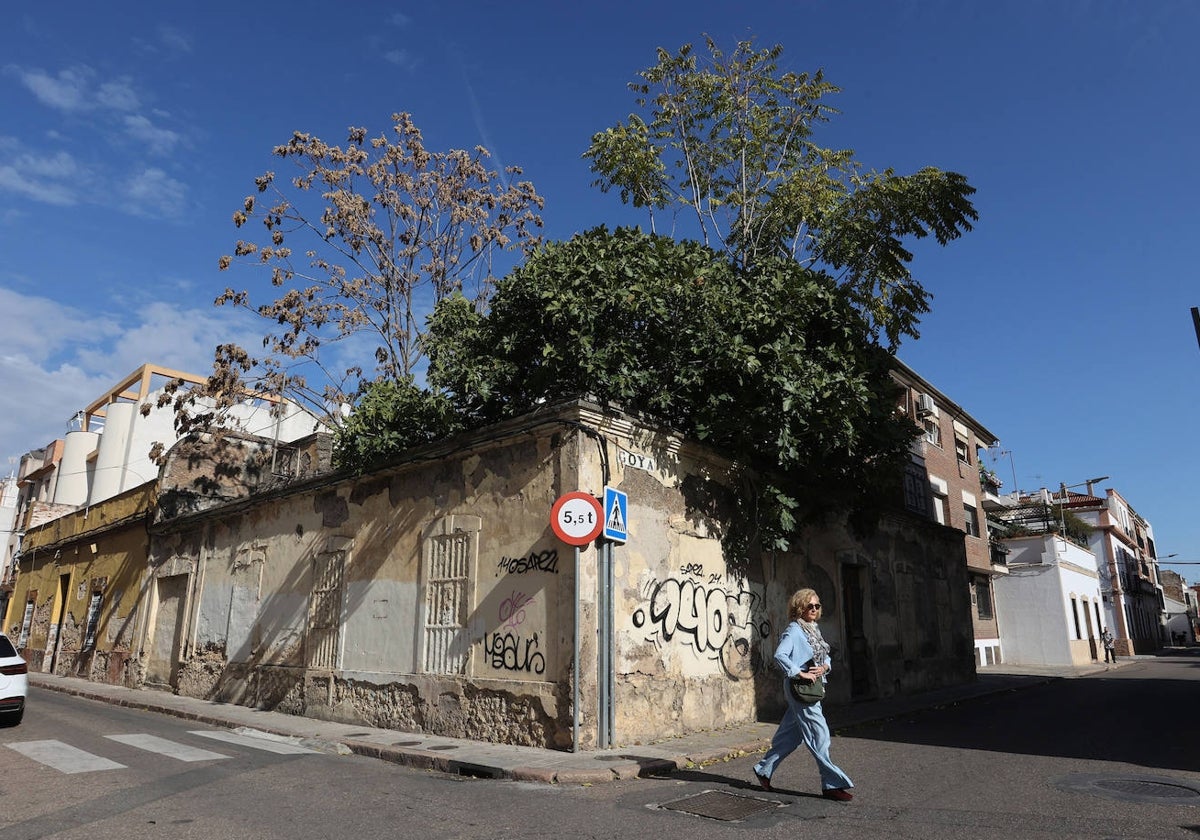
(803, 655)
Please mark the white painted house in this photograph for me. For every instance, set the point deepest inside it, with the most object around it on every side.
(1050, 601)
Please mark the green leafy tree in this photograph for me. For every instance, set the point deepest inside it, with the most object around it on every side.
(729, 139)
(392, 415)
(772, 365)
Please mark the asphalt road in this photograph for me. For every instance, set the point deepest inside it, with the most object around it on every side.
(1110, 755)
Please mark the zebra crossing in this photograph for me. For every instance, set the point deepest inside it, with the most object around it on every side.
(69, 759)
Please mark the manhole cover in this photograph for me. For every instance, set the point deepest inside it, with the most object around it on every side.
(406, 743)
(1150, 790)
(717, 805)
(444, 747)
(1143, 788)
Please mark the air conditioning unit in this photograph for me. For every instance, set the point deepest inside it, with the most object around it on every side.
(924, 405)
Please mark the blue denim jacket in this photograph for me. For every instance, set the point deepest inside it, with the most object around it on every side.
(794, 651)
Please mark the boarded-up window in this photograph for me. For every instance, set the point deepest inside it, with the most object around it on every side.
(26, 621)
(447, 572)
(93, 621)
(325, 610)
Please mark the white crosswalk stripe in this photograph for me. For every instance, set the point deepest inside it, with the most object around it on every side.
(256, 742)
(63, 757)
(68, 759)
(161, 746)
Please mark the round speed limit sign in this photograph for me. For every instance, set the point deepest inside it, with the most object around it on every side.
(577, 518)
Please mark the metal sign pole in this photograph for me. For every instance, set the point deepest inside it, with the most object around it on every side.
(602, 641)
(575, 666)
(612, 673)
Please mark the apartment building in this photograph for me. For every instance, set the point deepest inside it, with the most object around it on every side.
(1123, 542)
(943, 482)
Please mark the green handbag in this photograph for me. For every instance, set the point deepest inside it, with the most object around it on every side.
(805, 691)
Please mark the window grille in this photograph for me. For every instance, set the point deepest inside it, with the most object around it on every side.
(446, 603)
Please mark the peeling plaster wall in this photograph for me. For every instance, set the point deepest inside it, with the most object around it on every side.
(696, 631)
(433, 595)
(316, 601)
(101, 551)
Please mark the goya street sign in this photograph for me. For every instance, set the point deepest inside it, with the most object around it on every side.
(616, 515)
(577, 518)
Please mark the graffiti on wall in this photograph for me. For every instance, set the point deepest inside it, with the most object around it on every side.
(513, 652)
(719, 620)
(535, 561)
(512, 609)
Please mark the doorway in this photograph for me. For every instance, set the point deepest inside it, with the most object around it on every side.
(54, 641)
(163, 660)
(858, 649)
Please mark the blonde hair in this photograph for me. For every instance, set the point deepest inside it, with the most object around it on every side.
(798, 602)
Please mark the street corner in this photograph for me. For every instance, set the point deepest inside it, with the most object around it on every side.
(584, 776)
(641, 768)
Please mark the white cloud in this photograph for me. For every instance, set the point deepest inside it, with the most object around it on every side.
(174, 40)
(72, 89)
(48, 178)
(57, 359)
(67, 91)
(401, 58)
(159, 141)
(152, 192)
(117, 96)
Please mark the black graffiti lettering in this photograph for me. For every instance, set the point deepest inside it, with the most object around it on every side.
(536, 561)
(692, 569)
(505, 652)
(718, 623)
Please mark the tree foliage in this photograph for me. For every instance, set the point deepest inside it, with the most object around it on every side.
(387, 228)
(771, 364)
(391, 416)
(729, 139)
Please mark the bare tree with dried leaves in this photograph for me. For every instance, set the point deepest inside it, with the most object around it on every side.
(397, 228)
(360, 245)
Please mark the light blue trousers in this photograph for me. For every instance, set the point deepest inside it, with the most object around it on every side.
(803, 724)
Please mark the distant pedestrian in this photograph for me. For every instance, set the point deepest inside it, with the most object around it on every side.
(1110, 646)
(803, 656)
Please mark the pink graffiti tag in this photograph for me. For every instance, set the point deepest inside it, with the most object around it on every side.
(512, 609)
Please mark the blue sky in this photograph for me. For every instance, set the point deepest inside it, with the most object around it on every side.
(130, 132)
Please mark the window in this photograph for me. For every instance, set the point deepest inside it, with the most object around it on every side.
(983, 599)
(972, 520)
(26, 620)
(1075, 615)
(447, 574)
(325, 610)
(962, 449)
(916, 490)
(933, 432)
(93, 621)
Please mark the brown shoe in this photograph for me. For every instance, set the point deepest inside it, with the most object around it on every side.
(763, 781)
(837, 794)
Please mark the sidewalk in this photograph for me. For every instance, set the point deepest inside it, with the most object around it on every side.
(499, 761)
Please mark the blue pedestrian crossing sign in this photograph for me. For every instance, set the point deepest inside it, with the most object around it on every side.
(616, 515)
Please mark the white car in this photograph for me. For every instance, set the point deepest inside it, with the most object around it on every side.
(12, 683)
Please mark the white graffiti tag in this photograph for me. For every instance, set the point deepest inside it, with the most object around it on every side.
(717, 623)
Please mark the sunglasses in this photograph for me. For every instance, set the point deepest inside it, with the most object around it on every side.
(813, 607)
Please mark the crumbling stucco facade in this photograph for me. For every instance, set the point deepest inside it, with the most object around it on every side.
(74, 609)
(433, 596)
